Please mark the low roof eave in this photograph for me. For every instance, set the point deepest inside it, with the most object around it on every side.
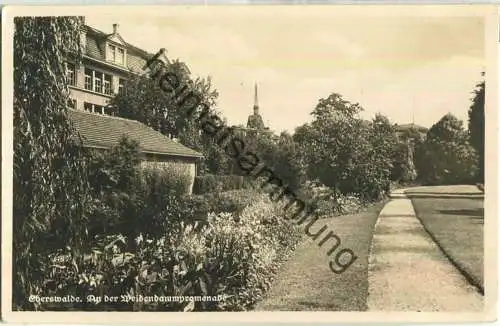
(199, 156)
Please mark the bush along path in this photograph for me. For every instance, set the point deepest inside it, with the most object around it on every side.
(305, 281)
(407, 270)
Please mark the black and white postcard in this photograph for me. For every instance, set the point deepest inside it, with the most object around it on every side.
(279, 163)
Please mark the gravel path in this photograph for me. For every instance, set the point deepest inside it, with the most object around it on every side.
(408, 272)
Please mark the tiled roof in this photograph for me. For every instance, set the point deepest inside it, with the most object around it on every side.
(104, 131)
(92, 48)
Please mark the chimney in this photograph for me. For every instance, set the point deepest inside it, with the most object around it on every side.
(115, 28)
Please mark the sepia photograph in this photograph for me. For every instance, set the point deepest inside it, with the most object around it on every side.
(284, 160)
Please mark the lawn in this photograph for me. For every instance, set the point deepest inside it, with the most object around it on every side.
(456, 224)
(306, 282)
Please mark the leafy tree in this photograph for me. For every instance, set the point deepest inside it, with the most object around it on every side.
(304, 137)
(334, 142)
(143, 100)
(345, 152)
(476, 127)
(449, 156)
(280, 153)
(50, 188)
(215, 159)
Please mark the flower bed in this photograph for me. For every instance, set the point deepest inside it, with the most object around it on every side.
(235, 257)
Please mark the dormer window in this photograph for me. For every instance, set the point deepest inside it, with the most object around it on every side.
(116, 54)
(116, 48)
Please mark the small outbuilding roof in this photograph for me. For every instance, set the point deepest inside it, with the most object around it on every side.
(103, 131)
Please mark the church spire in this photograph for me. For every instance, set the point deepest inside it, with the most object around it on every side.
(256, 100)
(255, 120)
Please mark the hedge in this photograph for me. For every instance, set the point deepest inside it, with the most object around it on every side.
(217, 183)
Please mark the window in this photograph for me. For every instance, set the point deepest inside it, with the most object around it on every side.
(121, 86)
(93, 108)
(121, 56)
(70, 74)
(110, 110)
(88, 107)
(88, 79)
(111, 53)
(107, 84)
(98, 82)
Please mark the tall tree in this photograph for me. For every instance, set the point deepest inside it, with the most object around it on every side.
(50, 187)
(345, 152)
(476, 126)
(449, 156)
(143, 100)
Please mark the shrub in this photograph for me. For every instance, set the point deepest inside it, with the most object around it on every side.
(129, 199)
(179, 183)
(113, 177)
(205, 184)
(158, 205)
(270, 239)
(235, 201)
(217, 183)
(199, 206)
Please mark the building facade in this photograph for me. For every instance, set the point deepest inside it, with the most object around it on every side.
(108, 62)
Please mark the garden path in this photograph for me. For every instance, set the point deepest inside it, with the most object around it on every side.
(408, 272)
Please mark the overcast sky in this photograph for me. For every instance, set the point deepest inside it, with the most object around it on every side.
(391, 62)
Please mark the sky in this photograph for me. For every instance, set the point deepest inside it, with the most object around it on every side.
(410, 65)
